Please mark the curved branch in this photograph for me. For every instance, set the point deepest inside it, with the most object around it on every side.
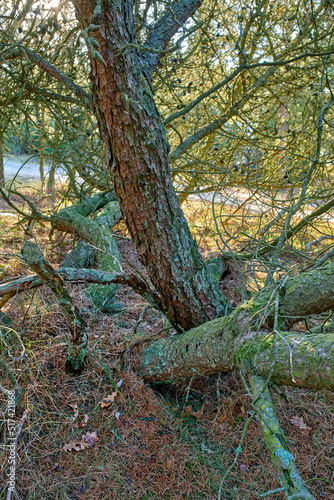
(77, 276)
(78, 339)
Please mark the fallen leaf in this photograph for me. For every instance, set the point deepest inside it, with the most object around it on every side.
(91, 439)
(83, 422)
(88, 441)
(188, 409)
(299, 422)
(197, 414)
(108, 400)
(206, 449)
(76, 446)
(75, 410)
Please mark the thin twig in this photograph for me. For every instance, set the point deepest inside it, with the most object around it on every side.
(13, 452)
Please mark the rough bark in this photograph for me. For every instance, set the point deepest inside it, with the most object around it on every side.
(137, 154)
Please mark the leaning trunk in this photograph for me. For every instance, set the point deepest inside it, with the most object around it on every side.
(136, 150)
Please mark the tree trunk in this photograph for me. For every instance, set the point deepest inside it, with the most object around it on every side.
(41, 119)
(136, 150)
(2, 168)
(50, 187)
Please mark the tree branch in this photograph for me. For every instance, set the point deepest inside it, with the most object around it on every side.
(225, 344)
(292, 482)
(162, 32)
(219, 122)
(53, 71)
(220, 346)
(72, 275)
(242, 67)
(78, 339)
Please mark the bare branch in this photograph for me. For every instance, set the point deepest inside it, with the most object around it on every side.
(49, 68)
(162, 32)
(219, 122)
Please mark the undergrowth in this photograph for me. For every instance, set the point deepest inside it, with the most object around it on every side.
(150, 442)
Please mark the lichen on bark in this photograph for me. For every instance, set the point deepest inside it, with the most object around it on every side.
(77, 339)
(100, 247)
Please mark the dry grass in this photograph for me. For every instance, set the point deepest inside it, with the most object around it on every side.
(153, 442)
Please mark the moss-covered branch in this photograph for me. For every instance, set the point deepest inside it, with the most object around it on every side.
(226, 344)
(96, 232)
(77, 346)
(13, 287)
(292, 482)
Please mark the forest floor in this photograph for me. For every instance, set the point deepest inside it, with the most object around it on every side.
(106, 434)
